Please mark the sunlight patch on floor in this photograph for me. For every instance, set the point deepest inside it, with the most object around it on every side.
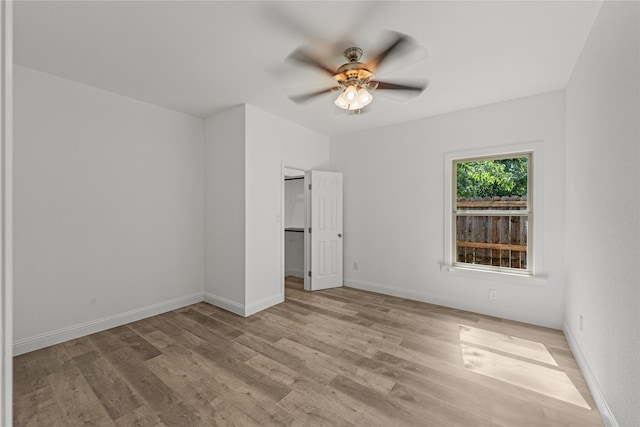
(506, 344)
(532, 376)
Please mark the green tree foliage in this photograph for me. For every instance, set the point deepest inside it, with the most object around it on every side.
(489, 178)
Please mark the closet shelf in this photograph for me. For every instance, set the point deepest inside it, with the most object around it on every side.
(295, 229)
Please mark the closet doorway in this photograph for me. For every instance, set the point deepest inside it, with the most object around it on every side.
(312, 228)
(294, 217)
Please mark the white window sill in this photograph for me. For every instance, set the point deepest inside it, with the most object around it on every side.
(524, 279)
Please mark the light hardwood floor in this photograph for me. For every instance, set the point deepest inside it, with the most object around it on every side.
(331, 358)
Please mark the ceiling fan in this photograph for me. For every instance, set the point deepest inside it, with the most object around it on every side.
(355, 79)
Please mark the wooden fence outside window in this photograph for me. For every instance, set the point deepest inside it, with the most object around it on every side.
(498, 240)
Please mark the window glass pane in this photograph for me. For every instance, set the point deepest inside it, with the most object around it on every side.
(492, 184)
(499, 241)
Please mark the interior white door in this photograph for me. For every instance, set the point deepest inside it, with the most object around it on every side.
(324, 229)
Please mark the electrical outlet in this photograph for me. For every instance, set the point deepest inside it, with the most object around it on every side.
(493, 294)
(355, 265)
(581, 322)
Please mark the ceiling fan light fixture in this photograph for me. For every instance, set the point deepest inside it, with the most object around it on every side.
(364, 97)
(353, 98)
(351, 93)
(341, 101)
(355, 106)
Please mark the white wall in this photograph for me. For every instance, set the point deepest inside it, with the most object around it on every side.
(603, 211)
(246, 150)
(393, 207)
(270, 141)
(225, 209)
(108, 209)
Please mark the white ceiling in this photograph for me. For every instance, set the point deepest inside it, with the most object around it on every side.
(202, 57)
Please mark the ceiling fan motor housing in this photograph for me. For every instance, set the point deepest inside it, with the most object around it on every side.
(353, 73)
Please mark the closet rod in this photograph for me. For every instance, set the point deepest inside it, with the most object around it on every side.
(295, 229)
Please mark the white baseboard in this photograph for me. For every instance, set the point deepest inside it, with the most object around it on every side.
(531, 318)
(242, 309)
(263, 304)
(25, 345)
(224, 303)
(292, 272)
(596, 392)
(37, 342)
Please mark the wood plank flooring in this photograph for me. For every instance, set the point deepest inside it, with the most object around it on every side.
(339, 357)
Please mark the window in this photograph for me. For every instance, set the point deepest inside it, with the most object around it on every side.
(492, 213)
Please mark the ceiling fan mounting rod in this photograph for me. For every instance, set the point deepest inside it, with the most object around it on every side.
(352, 54)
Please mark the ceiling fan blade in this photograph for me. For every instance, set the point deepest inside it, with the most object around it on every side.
(395, 44)
(298, 99)
(302, 57)
(377, 85)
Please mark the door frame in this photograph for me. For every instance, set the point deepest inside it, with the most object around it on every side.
(287, 164)
(6, 212)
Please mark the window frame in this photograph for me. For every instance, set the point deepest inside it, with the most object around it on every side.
(534, 195)
(528, 212)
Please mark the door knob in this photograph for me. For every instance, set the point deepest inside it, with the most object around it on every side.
(339, 234)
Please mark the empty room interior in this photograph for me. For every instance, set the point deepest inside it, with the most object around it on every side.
(321, 213)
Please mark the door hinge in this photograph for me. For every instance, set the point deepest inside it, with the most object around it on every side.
(309, 186)
(309, 230)
(309, 273)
